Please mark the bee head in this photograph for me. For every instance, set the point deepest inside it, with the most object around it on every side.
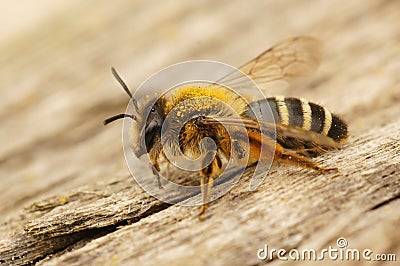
(148, 128)
(146, 131)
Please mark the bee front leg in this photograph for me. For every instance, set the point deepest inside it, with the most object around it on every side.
(208, 174)
(154, 156)
(156, 171)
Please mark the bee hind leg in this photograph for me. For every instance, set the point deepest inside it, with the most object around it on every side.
(208, 174)
(292, 158)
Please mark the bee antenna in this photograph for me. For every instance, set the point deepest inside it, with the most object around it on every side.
(121, 82)
(116, 117)
(125, 87)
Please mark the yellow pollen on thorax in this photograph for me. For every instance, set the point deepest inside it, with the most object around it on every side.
(213, 91)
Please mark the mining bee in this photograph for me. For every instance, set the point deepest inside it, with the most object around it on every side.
(303, 129)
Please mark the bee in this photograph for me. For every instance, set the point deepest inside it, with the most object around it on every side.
(303, 129)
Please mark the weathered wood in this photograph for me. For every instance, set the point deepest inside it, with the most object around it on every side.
(67, 197)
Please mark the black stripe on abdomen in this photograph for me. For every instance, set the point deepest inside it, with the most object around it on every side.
(317, 117)
(295, 111)
(338, 130)
(265, 110)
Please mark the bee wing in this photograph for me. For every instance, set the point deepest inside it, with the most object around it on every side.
(292, 58)
(269, 128)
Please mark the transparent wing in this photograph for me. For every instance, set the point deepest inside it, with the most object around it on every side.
(280, 129)
(292, 58)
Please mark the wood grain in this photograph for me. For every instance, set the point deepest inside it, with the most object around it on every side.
(67, 196)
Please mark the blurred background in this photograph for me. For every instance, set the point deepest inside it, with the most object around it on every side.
(56, 87)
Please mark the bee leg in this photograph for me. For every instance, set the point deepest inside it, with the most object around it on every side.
(206, 184)
(167, 170)
(208, 174)
(154, 156)
(293, 158)
(311, 152)
(156, 171)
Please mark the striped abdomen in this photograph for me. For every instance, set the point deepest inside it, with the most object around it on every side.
(300, 113)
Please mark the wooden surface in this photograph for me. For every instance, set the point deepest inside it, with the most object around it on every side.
(67, 196)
